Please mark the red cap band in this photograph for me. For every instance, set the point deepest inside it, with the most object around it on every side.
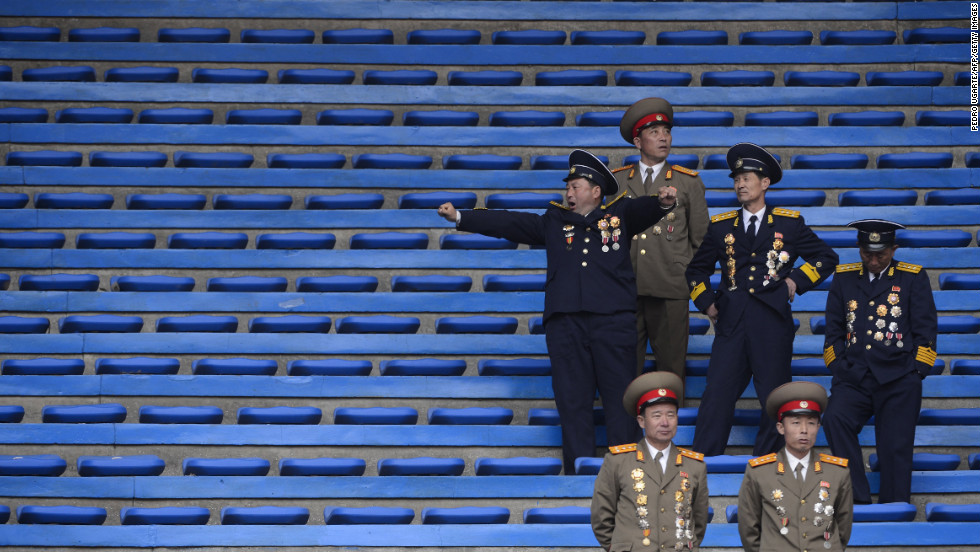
(797, 405)
(651, 118)
(658, 393)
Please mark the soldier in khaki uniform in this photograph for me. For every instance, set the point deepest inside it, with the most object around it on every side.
(651, 495)
(661, 253)
(794, 499)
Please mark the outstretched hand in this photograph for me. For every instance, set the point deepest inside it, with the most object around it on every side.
(448, 212)
(667, 196)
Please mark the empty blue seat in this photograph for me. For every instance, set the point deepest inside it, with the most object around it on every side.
(867, 118)
(528, 118)
(23, 325)
(295, 240)
(892, 511)
(964, 196)
(46, 158)
(166, 201)
(949, 416)
(43, 366)
(6, 73)
(587, 465)
(923, 461)
(529, 37)
(974, 461)
(115, 240)
(521, 200)
(535, 325)
(775, 38)
(470, 416)
(358, 36)
(100, 323)
(972, 160)
(120, 466)
(251, 201)
(316, 76)
(61, 515)
(721, 199)
(4, 281)
(485, 78)
(698, 326)
(321, 466)
(549, 416)
(936, 511)
(431, 282)
(165, 515)
(572, 77)
(965, 367)
(345, 201)
(105, 34)
(421, 466)
(443, 36)
(127, 159)
(107, 413)
(485, 161)
(608, 38)
(32, 240)
(948, 280)
(213, 160)
(30, 33)
(725, 463)
(379, 324)
(692, 37)
(194, 34)
(280, 415)
(73, 200)
(821, 78)
(264, 117)
(521, 465)
(23, 114)
(93, 115)
(514, 282)
(959, 117)
(391, 161)
(329, 367)
(465, 514)
(83, 73)
(264, 515)
(555, 162)
(738, 77)
(809, 366)
(432, 200)
(10, 414)
(731, 513)
(853, 198)
(915, 160)
(177, 116)
(938, 35)
(208, 240)
(703, 118)
(441, 117)
(152, 283)
(142, 74)
(339, 283)
(559, 515)
(960, 324)
(782, 118)
(45, 465)
(290, 323)
(305, 160)
(226, 466)
(599, 118)
(59, 282)
(234, 367)
(904, 78)
(390, 240)
(857, 38)
(278, 36)
(150, 414)
(357, 116)
(422, 367)
(514, 367)
(829, 161)
(198, 323)
(838, 238)
(474, 241)
(401, 77)
(961, 78)
(368, 515)
(934, 238)
(231, 75)
(652, 78)
(378, 415)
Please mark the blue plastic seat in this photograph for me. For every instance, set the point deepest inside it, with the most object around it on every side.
(226, 466)
(934, 238)
(821, 78)
(936, 511)
(465, 514)
(961, 78)
(915, 160)
(100, 323)
(422, 367)
(93, 115)
(278, 36)
(194, 202)
(431, 282)
(280, 415)
(150, 414)
(23, 325)
(867, 118)
(738, 77)
(45, 158)
(234, 367)
(959, 324)
(105, 34)
(692, 37)
(345, 201)
(441, 117)
(432, 200)
(829, 161)
(106, 413)
(549, 416)
(401, 77)
(965, 367)
(194, 34)
(559, 515)
(357, 116)
(23, 115)
(530, 37)
(809, 366)
(339, 283)
(857, 38)
(198, 323)
(892, 511)
(305, 160)
(231, 75)
(972, 160)
(358, 36)
(924, 461)
(329, 367)
(726, 463)
(378, 415)
(208, 240)
(607, 38)
(949, 416)
(852, 198)
(443, 36)
(838, 238)
(43, 366)
(10, 414)
(514, 367)
(316, 76)
(290, 323)
(783, 118)
(938, 35)
(251, 201)
(556, 162)
(703, 118)
(974, 461)
(484, 162)
(421, 466)
(485, 78)
(6, 73)
(572, 77)
(514, 282)
(213, 160)
(587, 465)
(61, 515)
(165, 515)
(474, 241)
(265, 515)
(43, 465)
(368, 515)
(295, 240)
(4, 281)
(949, 280)
(963, 196)
(521, 200)
(731, 513)
(379, 324)
(652, 78)
(521, 465)
(535, 325)
(721, 199)
(470, 416)
(177, 116)
(599, 118)
(390, 240)
(698, 326)
(391, 161)
(152, 283)
(264, 117)
(115, 240)
(120, 466)
(30, 33)
(528, 118)
(127, 159)
(321, 466)
(73, 200)
(775, 38)
(904, 78)
(83, 73)
(32, 240)
(959, 117)
(142, 74)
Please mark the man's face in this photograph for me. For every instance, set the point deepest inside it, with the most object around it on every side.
(582, 195)
(654, 143)
(750, 187)
(659, 423)
(876, 261)
(800, 432)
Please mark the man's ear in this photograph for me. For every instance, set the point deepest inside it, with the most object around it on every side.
(765, 182)
(597, 192)
(636, 141)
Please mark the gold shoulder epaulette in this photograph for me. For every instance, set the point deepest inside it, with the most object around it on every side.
(842, 462)
(786, 212)
(763, 460)
(619, 449)
(850, 267)
(724, 216)
(559, 205)
(620, 196)
(684, 170)
(909, 267)
(690, 454)
(623, 168)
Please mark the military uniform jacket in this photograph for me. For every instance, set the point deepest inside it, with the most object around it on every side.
(661, 252)
(630, 493)
(771, 498)
(584, 274)
(757, 270)
(888, 326)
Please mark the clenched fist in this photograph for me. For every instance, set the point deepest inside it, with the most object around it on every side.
(448, 212)
(667, 196)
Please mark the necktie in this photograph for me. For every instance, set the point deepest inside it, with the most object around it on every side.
(648, 180)
(751, 232)
(799, 473)
(874, 277)
(656, 460)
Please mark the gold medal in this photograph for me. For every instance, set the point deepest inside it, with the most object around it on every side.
(671, 216)
(882, 310)
(646, 541)
(879, 336)
(777, 494)
(637, 474)
(729, 239)
(678, 496)
(892, 298)
(641, 500)
(777, 244)
(639, 486)
(657, 230)
(852, 305)
(614, 222)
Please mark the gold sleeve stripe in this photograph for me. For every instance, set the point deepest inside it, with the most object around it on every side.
(926, 355)
(810, 271)
(849, 267)
(698, 290)
(829, 356)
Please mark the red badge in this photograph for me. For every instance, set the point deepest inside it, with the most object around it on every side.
(684, 474)
(825, 484)
(896, 289)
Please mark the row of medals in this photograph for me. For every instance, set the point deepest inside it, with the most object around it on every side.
(881, 310)
(684, 528)
(824, 512)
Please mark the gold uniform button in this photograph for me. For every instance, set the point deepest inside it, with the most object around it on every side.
(751, 290)
(585, 251)
(635, 238)
(870, 318)
(869, 332)
(585, 263)
(752, 269)
(802, 501)
(803, 518)
(643, 236)
(643, 252)
(871, 303)
(868, 347)
(819, 264)
(662, 510)
(586, 239)
(753, 254)
(662, 491)
(751, 278)
(804, 535)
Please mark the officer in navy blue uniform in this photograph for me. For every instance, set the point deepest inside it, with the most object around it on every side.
(757, 247)
(880, 344)
(590, 293)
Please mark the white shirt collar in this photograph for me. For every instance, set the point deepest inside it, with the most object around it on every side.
(653, 454)
(656, 169)
(746, 215)
(793, 461)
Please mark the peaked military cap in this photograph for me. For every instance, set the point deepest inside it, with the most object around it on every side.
(582, 164)
(645, 113)
(875, 234)
(747, 156)
(796, 397)
(653, 388)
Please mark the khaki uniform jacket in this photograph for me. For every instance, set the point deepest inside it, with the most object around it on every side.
(661, 253)
(674, 506)
(770, 493)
